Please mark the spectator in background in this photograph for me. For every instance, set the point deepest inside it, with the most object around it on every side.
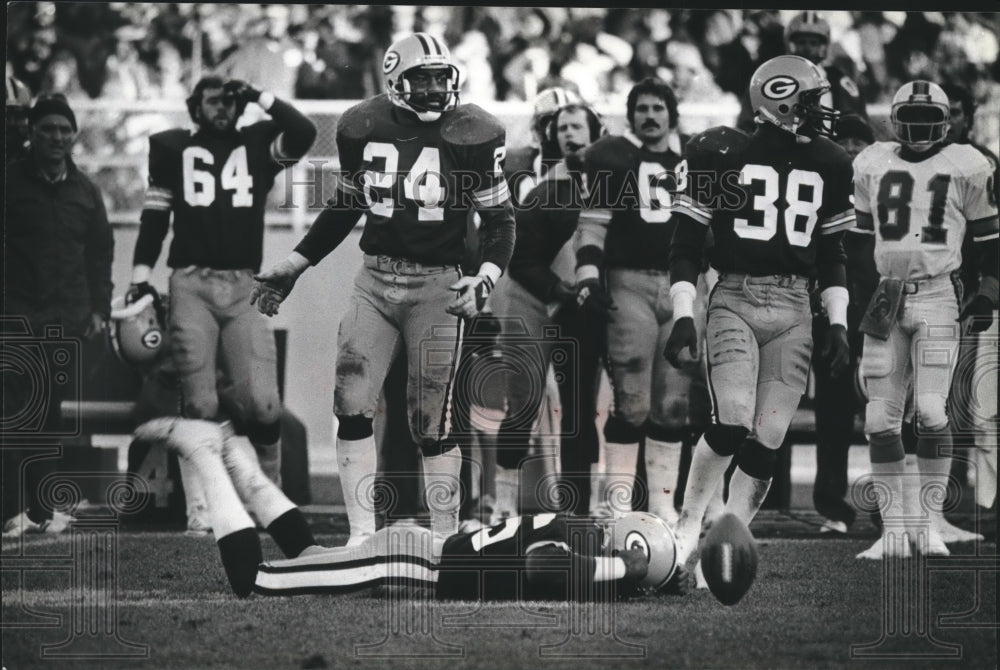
(17, 99)
(693, 83)
(593, 54)
(268, 54)
(57, 272)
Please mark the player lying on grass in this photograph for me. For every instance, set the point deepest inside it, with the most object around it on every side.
(230, 476)
(539, 557)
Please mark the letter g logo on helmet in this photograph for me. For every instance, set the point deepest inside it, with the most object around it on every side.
(390, 62)
(780, 87)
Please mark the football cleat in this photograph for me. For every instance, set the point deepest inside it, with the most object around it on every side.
(920, 115)
(650, 534)
(729, 559)
(427, 53)
(786, 91)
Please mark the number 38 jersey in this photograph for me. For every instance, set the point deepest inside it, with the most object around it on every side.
(217, 187)
(419, 180)
(629, 201)
(921, 210)
(766, 197)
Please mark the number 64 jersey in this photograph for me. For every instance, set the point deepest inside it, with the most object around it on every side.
(921, 210)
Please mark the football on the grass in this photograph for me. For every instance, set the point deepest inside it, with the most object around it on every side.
(729, 559)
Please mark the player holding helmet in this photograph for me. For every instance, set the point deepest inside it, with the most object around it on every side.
(215, 181)
(414, 163)
(776, 203)
(921, 197)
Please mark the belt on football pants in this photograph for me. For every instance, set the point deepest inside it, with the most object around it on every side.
(787, 281)
(915, 286)
(401, 266)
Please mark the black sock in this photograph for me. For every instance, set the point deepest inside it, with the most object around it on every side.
(241, 554)
(291, 532)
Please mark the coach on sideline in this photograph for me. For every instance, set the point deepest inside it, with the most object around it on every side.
(57, 272)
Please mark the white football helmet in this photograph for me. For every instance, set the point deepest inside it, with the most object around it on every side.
(786, 91)
(921, 114)
(424, 51)
(546, 104)
(138, 333)
(651, 534)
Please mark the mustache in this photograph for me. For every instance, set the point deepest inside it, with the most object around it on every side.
(651, 124)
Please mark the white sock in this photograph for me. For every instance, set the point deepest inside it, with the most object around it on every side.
(357, 461)
(933, 483)
(704, 478)
(746, 495)
(269, 457)
(441, 490)
(596, 486)
(716, 505)
(194, 491)
(663, 461)
(620, 475)
(258, 491)
(890, 491)
(506, 490)
(225, 510)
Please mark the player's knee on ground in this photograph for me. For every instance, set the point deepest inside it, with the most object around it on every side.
(756, 460)
(931, 410)
(619, 430)
(356, 427)
(725, 440)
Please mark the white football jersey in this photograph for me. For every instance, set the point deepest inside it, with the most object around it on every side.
(923, 209)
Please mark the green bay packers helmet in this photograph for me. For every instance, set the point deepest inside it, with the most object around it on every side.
(425, 52)
(808, 24)
(786, 91)
(920, 114)
(652, 535)
(138, 330)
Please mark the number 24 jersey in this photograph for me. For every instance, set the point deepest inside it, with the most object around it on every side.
(922, 210)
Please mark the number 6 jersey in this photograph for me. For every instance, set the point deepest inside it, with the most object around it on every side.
(920, 211)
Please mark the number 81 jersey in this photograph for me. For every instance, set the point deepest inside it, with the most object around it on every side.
(418, 181)
(921, 210)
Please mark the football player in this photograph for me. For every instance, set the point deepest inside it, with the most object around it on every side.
(215, 182)
(624, 227)
(525, 166)
(539, 291)
(540, 557)
(226, 469)
(922, 197)
(415, 163)
(777, 203)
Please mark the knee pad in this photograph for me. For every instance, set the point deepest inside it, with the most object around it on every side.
(882, 416)
(931, 411)
(263, 433)
(757, 460)
(664, 434)
(356, 427)
(619, 431)
(725, 440)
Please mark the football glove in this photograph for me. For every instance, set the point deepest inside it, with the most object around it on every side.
(241, 91)
(593, 299)
(272, 287)
(836, 351)
(472, 295)
(562, 292)
(980, 311)
(682, 335)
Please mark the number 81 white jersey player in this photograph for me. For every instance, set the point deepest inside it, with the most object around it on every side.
(920, 197)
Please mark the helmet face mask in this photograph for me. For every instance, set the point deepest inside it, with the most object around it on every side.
(921, 115)
(786, 90)
(420, 76)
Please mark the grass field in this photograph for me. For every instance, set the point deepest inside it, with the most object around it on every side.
(811, 604)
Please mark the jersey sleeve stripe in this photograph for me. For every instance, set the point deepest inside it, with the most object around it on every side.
(839, 219)
(830, 229)
(494, 196)
(158, 198)
(981, 227)
(276, 153)
(598, 216)
(986, 238)
(685, 205)
(345, 186)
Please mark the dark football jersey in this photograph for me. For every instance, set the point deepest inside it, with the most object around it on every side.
(489, 564)
(631, 190)
(420, 180)
(766, 197)
(217, 187)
